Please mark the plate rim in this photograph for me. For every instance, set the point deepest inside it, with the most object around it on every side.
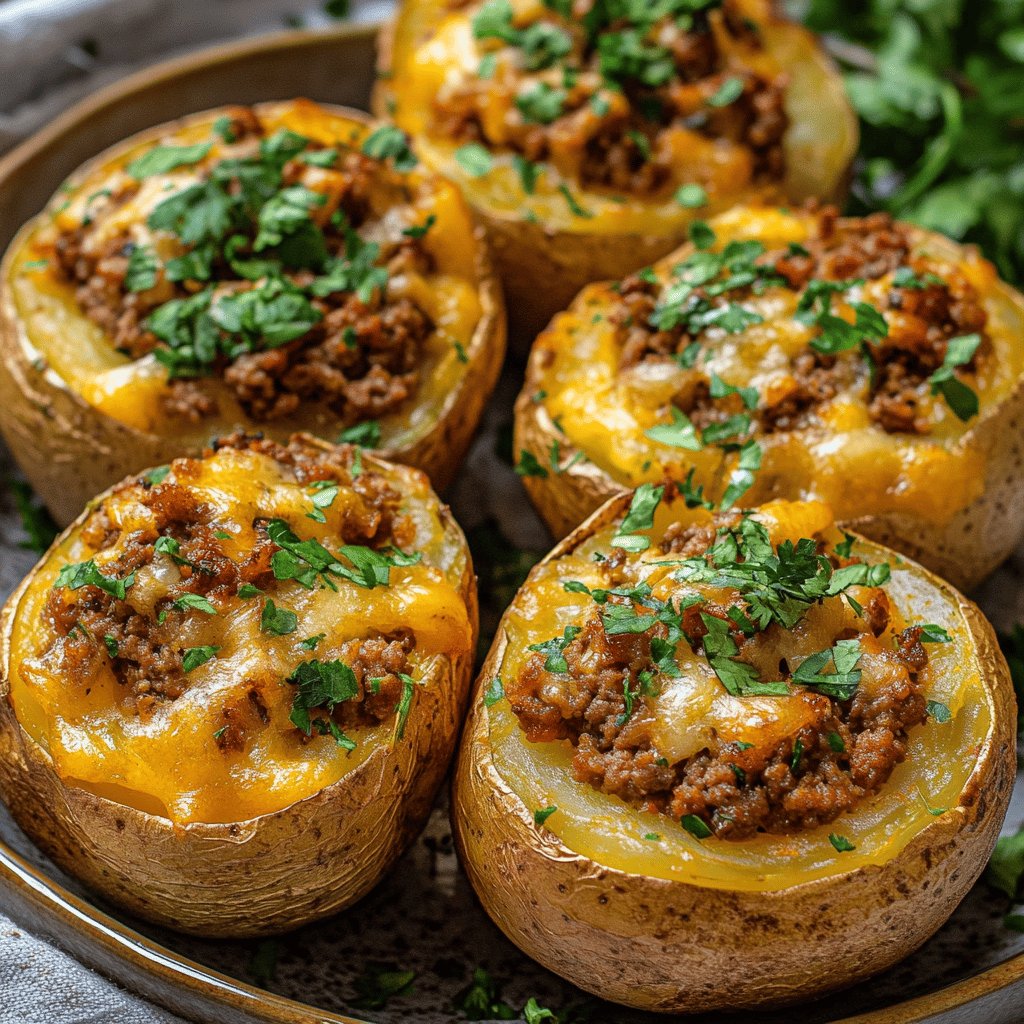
(103, 942)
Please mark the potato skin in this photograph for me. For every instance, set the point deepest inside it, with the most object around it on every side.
(964, 550)
(69, 450)
(257, 877)
(676, 947)
(542, 267)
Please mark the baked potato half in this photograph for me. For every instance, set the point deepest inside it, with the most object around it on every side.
(730, 760)
(231, 689)
(587, 137)
(794, 354)
(277, 268)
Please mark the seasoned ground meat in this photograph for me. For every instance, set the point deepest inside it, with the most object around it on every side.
(376, 663)
(614, 136)
(922, 316)
(143, 646)
(361, 359)
(844, 750)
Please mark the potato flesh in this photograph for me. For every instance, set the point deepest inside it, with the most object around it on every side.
(170, 765)
(432, 46)
(612, 833)
(605, 413)
(131, 391)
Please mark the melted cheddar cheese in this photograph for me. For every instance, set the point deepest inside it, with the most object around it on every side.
(434, 50)
(846, 459)
(167, 762)
(691, 709)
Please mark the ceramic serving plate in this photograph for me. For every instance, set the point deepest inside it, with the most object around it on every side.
(423, 918)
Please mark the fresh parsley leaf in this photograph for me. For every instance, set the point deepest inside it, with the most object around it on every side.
(86, 574)
(474, 159)
(142, 269)
(163, 159)
(542, 814)
(840, 843)
(695, 825)
(390, 143)
(193, 657)
(277, 621)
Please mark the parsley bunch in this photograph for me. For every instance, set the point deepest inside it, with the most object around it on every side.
(939, 87)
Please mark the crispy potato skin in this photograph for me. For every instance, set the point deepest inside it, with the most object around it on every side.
(675, 947)
(257, 877)
(543, 267)
(69, 450)
(965, 549)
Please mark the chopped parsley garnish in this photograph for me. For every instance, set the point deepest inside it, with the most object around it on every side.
(695, 825)
(938, 711)
(528, 465)
(390, 143)
(194, 602)
(277, 621)
(86, 574)
(376, 985)
(307, 560)
(365, 434)
(193, 657)
(312, 642)
(640, 517)
(542, 814)
(528, 173)
(574, 207)
(111, 645)
(481, 999)
(840, 843)
(555, 661)
(143, 267)
(959, 397)
(404, 704)
(324, 493)
(932, 634)
(841, 684)
(495, 691)
(163, 159)
(728, 92)
(322, 686)
(474, 159)
(691, 196)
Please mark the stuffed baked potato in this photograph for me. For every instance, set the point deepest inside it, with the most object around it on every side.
(230, 690)
(285, 267)
(793, 354)
(587, 136)
(730, 760)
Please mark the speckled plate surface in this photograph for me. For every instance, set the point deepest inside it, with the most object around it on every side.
(423, 918)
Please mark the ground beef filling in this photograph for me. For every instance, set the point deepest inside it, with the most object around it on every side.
(92, 624)
(921, 319)
(616, 139)
(803, 782)
(361, 360)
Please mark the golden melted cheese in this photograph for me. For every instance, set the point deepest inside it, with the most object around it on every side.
(81, 353)
(604, 412)
(169, 763)
(613, 833)
(434, 50)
